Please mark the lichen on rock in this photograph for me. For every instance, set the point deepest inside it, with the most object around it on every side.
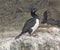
(47, 39)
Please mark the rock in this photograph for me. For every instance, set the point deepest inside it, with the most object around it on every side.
(45, 39)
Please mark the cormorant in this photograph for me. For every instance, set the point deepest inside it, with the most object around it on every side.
(45, 16)
(49, 21)
(31, 24)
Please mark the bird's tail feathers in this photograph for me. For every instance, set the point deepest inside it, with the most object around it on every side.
(18, 36)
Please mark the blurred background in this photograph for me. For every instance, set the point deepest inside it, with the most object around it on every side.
(14, 13)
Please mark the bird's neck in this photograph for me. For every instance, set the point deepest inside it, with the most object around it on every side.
(45, 15)
(34, 15)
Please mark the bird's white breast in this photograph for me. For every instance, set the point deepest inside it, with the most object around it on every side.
(35, 26)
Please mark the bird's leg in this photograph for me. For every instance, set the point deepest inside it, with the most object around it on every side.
(30, 31)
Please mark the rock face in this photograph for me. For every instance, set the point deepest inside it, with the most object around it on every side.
(45, 39)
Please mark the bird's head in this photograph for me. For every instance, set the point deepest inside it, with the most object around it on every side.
(33, 10)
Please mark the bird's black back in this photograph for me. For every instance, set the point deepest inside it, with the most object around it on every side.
(29, 23)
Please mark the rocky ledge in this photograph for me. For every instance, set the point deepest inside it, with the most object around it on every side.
(47, 38)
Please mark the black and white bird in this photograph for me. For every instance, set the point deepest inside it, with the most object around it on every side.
(31, 24)
(45, 16)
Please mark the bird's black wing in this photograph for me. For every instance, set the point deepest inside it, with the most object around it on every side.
(29, 23)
